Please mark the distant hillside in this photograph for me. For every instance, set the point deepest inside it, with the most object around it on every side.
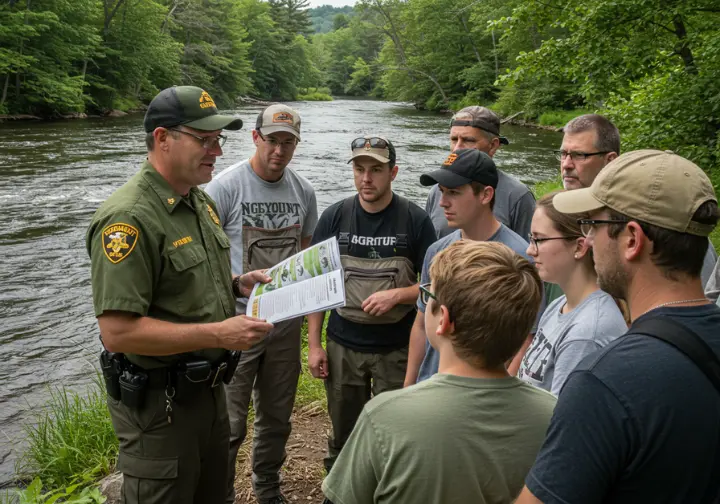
(322, 17)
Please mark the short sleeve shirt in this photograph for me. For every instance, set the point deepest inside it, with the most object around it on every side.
(503, 235)
(564, 339)
(159, 254)
(372, 235)
(636, 422)
(245, 199)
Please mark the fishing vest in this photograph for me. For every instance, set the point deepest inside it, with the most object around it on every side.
(264, 248)
(366, 276)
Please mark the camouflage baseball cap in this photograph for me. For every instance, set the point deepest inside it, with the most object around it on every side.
(656, 187)
(187, 106)
(479, 117)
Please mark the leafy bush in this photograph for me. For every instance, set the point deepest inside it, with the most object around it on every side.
(560, 118)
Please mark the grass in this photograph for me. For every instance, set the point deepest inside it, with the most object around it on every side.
(560, 118)
(311, 391)
(73, 436)
(315, 94)
(540, 189)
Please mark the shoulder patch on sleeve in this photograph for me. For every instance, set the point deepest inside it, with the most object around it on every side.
(119, 239)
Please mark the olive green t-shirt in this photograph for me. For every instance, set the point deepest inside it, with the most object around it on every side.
(448, 439)
(159, 254)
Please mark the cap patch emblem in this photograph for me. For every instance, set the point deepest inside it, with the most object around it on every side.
(206, 101)
(450, 159)
(119, 240)
(213, 216)
(283, 117)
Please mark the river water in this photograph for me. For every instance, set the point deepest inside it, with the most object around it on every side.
(55, 174)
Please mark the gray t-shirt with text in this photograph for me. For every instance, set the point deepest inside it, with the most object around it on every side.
(244, 199)
(564, 339)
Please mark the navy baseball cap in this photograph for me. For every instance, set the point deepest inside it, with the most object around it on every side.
(462, 167)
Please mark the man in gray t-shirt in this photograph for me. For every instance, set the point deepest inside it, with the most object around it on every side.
(467, 181)
(479, 128)
(269, 212)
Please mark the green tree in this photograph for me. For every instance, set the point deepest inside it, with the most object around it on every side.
(654, 64)
(215, 47)
(46, 45)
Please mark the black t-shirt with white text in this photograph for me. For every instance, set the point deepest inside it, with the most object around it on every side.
(372, 235)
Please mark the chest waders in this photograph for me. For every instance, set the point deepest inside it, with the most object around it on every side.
(366, 276)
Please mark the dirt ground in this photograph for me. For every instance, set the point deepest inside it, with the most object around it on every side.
(303, 471)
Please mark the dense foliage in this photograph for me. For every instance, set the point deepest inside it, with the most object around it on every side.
(652, 65)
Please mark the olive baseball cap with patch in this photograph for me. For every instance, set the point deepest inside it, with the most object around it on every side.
(187, 106)
(656, 187)
(277, 118)
(462, 167)
(484, 119)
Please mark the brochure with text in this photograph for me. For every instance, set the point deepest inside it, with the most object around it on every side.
(308, 282)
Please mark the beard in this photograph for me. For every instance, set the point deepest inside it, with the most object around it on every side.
(612, 278)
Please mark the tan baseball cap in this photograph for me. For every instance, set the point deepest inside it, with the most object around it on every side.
(278, 117)
(656, 187)
(376, 147)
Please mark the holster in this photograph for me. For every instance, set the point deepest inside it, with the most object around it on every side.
(233, 359)
(110, 367)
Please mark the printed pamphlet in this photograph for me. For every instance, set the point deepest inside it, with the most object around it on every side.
(308, 282)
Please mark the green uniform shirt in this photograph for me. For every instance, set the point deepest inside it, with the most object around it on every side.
(158, 254)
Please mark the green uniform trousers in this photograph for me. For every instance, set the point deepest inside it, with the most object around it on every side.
(353, 378)
(269, 373)
(180, 462)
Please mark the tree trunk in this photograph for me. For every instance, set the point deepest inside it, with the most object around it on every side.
(22, 46)
(472, 42)
(497, 71)
(683, 50)
(5, 88)
(394, 35)
(429, 77)
(110, 14)
(169, 15)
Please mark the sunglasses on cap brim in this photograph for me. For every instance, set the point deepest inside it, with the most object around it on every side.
(370, 143)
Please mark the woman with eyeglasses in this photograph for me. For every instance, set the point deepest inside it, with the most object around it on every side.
(581, 321)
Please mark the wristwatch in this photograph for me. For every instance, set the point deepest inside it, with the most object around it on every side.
(236, 286)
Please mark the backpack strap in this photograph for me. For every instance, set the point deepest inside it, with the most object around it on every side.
(402, 214)
(684, 340)
(347, 210)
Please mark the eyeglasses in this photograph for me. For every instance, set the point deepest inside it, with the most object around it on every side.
(577, 156)
(207, 142)
(425, 294)
(535, 242)
(273, 142)
(372, 142)
(587, 226)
